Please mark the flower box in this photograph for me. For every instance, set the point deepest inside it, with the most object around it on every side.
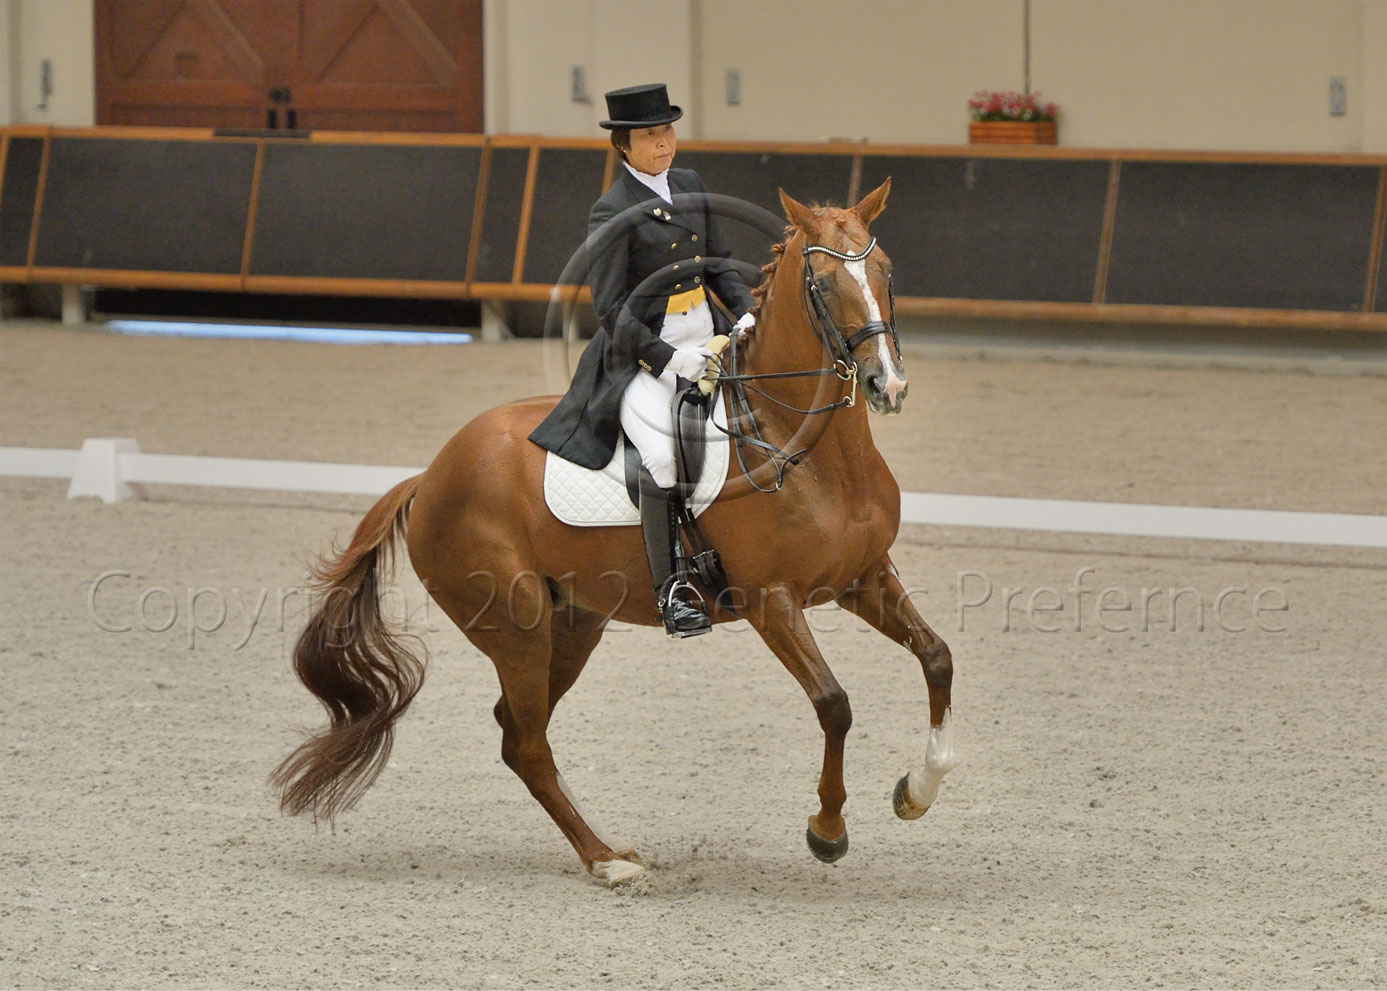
(1012, 132)
(1011, 118)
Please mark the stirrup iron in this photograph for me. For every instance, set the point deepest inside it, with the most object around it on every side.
(682, 618)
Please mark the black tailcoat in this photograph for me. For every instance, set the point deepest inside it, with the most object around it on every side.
(641, 250)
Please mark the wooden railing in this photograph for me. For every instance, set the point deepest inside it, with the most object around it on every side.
(1019, 232)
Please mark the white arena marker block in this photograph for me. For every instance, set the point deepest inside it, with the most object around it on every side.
(98, 470)
(74, 306)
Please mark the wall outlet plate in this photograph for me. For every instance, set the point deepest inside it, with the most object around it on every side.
(45, 82)
(578, 85)
(1338, 96)
(734, 87)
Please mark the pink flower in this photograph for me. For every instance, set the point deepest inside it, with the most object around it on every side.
(1009, 105)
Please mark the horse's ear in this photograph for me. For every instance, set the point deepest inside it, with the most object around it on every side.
(796, 212)
(873, 203)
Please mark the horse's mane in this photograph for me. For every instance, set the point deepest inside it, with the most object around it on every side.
(777, 252)
(768, 272)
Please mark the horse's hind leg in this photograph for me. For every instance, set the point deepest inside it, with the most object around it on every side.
(525, 663)
(881, 599)
(782, 624)
(574, 635)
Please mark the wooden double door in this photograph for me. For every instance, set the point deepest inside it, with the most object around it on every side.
(354, 65)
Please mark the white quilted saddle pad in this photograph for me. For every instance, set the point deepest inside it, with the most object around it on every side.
(598, 497)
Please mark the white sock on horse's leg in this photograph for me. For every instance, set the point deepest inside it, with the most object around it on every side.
(940, 759)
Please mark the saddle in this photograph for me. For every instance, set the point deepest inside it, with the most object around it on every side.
(609, 496)
(585, 497)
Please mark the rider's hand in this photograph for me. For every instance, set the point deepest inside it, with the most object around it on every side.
(689, 363)
(717, 348)
(745, 326)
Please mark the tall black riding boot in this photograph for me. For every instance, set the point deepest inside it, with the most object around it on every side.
(681, 609)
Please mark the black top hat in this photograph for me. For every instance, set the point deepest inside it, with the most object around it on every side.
(640, 106)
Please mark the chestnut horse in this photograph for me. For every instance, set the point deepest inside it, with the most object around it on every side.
(492, 555)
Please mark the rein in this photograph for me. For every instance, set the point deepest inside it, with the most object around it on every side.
(844, 366)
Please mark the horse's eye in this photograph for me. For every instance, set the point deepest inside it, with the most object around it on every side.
(822, 284)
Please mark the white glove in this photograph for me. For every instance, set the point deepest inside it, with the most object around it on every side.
(745, 325)
(718, 345)
(689, 363)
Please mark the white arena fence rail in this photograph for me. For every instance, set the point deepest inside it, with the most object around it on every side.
(112, 469)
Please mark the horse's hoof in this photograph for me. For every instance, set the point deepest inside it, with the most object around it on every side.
(613, 873)
(905, 806)
(828, 851)
(631, 855)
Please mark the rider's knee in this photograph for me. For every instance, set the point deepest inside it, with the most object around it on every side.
(661, 467)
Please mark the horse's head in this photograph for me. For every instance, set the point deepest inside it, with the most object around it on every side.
(846, 288)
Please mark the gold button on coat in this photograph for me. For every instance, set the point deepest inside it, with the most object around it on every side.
(698, 258)
(695, 237)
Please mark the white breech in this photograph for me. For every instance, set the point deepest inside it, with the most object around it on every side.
(647, 413)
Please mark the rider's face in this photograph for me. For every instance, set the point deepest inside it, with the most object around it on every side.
(652, 148)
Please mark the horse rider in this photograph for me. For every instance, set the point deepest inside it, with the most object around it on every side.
(654, 251)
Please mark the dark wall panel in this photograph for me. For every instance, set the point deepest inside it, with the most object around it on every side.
(756, 178)
(1243, 235)
(568, 182)
(365, 211)
(168, 206)
(991, 228)
(505, 195)
(17, 191)
(1380, 303)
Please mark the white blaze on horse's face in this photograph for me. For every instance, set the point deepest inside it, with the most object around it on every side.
(893, 375)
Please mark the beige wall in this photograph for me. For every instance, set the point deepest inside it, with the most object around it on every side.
(1373, 92)
(62, 31)
(886, 70)
(1197, 74)
(8, 61)
(1222, 74)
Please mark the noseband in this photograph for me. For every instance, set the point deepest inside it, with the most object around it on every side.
(816, 309)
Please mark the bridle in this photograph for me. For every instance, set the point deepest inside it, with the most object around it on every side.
(842, 348)
(844, 366)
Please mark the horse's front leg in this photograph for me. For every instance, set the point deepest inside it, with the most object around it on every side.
(780, 621)
(881, 599)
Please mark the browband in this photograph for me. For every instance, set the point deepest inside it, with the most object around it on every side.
(810, 249)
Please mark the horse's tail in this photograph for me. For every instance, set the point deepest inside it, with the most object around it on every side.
(364, 673)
